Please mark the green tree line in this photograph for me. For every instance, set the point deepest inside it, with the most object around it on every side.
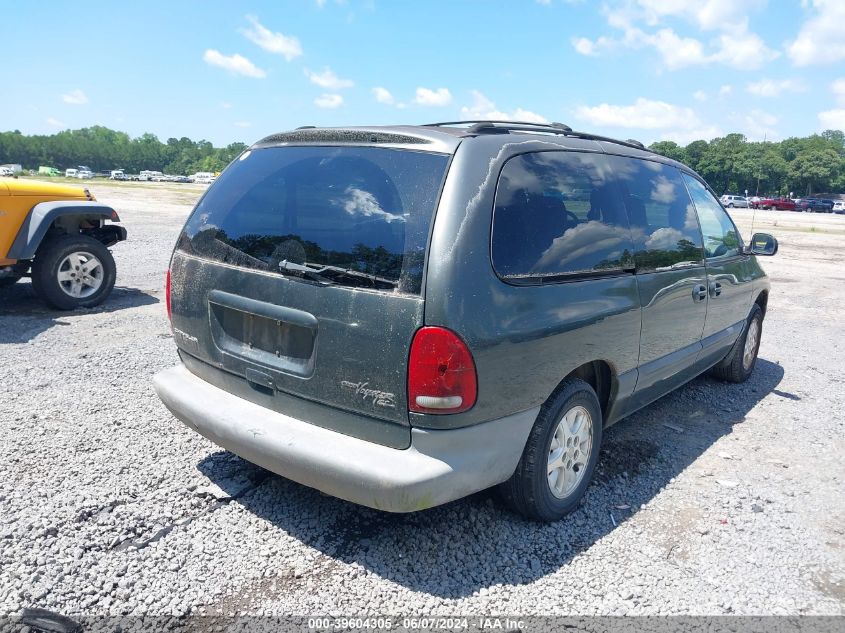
(103, 149)
(732, 164)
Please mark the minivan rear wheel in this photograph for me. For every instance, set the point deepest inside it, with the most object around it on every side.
(560, 455)
(739, 364)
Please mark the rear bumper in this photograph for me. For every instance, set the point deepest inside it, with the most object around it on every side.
(439, 466)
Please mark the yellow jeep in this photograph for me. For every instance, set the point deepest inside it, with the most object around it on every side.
(57, 235)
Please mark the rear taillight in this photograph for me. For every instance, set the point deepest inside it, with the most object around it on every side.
(167, 296)
(441, 373)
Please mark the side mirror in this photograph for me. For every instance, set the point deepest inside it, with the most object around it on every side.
(763, 244)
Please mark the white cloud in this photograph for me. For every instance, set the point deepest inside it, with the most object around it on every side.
(584, 46)
(677, 52)
(820, 39)
(328, 101)
(278, 43)
(482, 108)
(838, 90)
(328, 79)
(774, 87)
(706, 14)
(428, 97)
(736, 46)
(643, 113)
(743, 50)
(758, 125)
(383, 95)
(55, 122)
(234, 63)
(243, 124)
(664, 120)
(832, 119)
(226, 105)
(699, 95)
(75, 97)
(725, 90)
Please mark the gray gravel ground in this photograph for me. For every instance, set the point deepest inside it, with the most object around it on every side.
(717, 499)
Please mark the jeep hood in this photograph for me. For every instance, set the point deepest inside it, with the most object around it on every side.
(36, 188)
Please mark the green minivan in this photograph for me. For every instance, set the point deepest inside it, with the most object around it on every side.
(402, 316)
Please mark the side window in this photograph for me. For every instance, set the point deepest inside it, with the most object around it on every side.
(559, 213)
(721, 239)
(664, 226)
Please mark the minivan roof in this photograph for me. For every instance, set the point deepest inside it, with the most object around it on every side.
(446, 137)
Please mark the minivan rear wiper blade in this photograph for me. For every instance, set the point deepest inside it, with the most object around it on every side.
(317, 273)
(304, 271)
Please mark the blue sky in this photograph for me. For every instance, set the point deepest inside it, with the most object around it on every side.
(226, 71)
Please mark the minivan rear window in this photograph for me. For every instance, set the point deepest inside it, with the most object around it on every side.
(354, 216)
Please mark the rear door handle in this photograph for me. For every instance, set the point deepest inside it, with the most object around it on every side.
(699, 292)
(715, 289)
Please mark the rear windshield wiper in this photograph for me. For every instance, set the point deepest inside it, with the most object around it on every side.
(304, 271)
(318, 273)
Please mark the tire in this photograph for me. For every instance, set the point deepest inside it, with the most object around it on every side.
(529, 490)
(5, 282)
(66, 257)
(731, 205)
(739, 364)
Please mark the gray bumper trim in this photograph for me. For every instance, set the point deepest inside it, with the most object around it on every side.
(440, 466)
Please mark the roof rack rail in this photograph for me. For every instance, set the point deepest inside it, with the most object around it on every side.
(503, 127)
(307, 127)
(500, 123)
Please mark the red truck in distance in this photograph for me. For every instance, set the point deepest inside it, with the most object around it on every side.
(781, 204)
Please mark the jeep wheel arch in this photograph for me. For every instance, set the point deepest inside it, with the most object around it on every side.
(43, 215)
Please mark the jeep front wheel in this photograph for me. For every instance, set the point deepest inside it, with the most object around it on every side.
(73, 271)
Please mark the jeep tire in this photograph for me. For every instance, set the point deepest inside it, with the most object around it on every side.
(73, 271)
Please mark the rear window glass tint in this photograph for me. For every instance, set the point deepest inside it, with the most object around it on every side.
(663, 219)
(360, 209)
(559, 213)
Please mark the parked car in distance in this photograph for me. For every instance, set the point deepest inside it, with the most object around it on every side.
(60, 236)
(731, 201)
(6, 171)
(839, 206)
(203, 177)
(552, 305)
(781, 204)
(815, 205)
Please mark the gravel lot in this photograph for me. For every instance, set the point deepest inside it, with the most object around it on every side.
(717, 499)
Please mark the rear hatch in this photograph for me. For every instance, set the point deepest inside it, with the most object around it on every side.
(300, 273)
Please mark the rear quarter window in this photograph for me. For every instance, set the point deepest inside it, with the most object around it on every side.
(559, 214)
